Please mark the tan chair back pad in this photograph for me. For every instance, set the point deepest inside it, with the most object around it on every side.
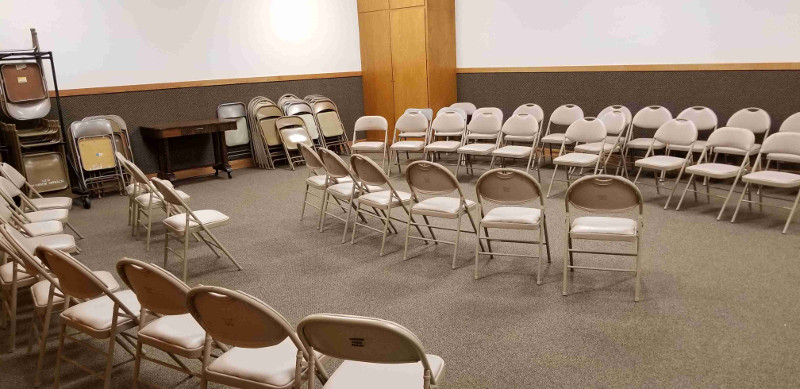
(430, 178)
(298, 107)
(737, 138)
(413, 121)
(333, 164)
(13, 235)
(651, 117)
(586, 130)
(566, 114)
(521, 124)
(168, 192)
(9, 188)
(235, 318)
(137, 174)
(5, 213)
(289, 121)
(783, 143)
(704, 118)
(485, 122)
(603, 193)
(156, 289)
(531, 109)
(322, 106)
(310, 156)
(753, 118)
(617, 107)
(74, 278)
(791, 124)
(507, 186)
(13, 175)
(615, 121)
(367, 170)
(361, 339)
(677, 132)
(18, 252)
(448, 122)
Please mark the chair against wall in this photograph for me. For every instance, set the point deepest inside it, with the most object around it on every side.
(102, 314)
(509, 190)
(304, 111)
(780, 143)
(433, 179)
(410, 123)
(603, 194)
(292, 131)
(449, 123)
(376, 353)
(616, 123)
(238, 140)
(518, 139)
(190, 223)
(130, 189)
(483, 136)
(36, 201)
(562, 116)
(675, 132)
(586, 130)
(375, 124)
(729, 138)
(265, 352)
(649, 118)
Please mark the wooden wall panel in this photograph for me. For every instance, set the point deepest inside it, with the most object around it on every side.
(394, 4)
(376, 65)
(372, 5)
(409, 63)
(441, 53)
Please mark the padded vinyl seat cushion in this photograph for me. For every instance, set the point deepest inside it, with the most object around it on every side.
(368, 146)
(555, 138)
(41, 290)
(697, 147)
(381, 199)
(408, 145)
(49, 227)
(713, 170)
(603, 228)
(211, 218)
(644, 144)
(576, 159)
(49, 214)
(594, 148)
(43, 203)
(319, 181)
(734, 151)
(444, 145)
(181, 331)
(525, 218)
(519, 138)
(7, 272)
(477, 148)
(364, 375)
(661, 162)
(345, 189)
(144, 199)
(269, 365)
(63, 242)
(441, 206)
(513, 151)
(96, 315)
(783, 157)
(773, 178)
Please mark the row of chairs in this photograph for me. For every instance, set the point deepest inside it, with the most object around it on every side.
(239, 340)
(365, 188)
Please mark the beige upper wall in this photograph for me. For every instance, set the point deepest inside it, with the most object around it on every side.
(534, 33)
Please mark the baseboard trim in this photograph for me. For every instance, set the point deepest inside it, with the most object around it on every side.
(639, 68)
(207, 170)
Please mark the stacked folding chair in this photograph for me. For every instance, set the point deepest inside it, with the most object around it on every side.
(238, 140)
(330, 124)
(94, 148)
(122, 139)
(292, 131)
(302, 109)
(262, 114)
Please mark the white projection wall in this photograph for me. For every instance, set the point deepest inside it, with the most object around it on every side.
(529, 33)
(123, 42)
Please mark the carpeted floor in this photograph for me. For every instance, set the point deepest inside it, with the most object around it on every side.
(720, 300)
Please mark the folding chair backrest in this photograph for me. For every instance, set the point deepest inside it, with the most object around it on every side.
(566, 114)
(8, 188)
(531, 109)
(468, 108)
(617, 107)
(651, 117)
(13, 235)
(737, 138)
(137, 174)
(521, 124)
(6, 214)
(293, 131)
(311, 157)
(302, 110)
(266, 116)
(427, 112)
(334, 165)
(156, 289)
(241, 135)
(507, 186)
(371, 123)
(431, 178)
(459, 111)
(704, 118)
(413, 121)
(328, 118)
(21, 252)
(23, 82)
(586, 130)
(680, 132)
(361, 339)
(754, 119)
(13, 175)
(237, 319)
(604, 193)
(615, 121)
(367, 171)
(94, 143)
(782, 143)
(168, 192)
(493, 110)
(448, 122)
(486, 122)
(791, 124)
(74, 278)
(90, 128)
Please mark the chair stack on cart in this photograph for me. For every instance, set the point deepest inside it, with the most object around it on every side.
(122, 140)
(93, 144)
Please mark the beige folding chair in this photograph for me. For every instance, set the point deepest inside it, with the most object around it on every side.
(756, 120)
(518, 139)
(648, 119)
(510, 189)
(147, 201)
(562, 116)
(317, 179)
(468, 108)
(411, 125)
(680, 132)
(292, 131)
(9, 191)
(377, 353)
(432, 179)
(616, 123)
(780, 143)
(49, 227)
(531, 109)
(365, 124)
(265, 351)
(483, 136)
(726, 138)
(102, 315)
(603, 194)
(704, 119)
(449, 123)
(585, 130)
(190, 223)
(14, 276)
(37, 202)
(368, 173)
(131, 190)
(330, 124)
(173, 330)
(791, 124)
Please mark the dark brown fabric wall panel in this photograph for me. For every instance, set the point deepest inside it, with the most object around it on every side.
(169, 105)
(725, 92)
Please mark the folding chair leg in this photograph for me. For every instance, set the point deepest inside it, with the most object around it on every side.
(355, 223)
(71, 227)
(686, 189)
(136, 364)
(185, 255)
(347, 219)
(728, 197)
(458, 163)
(658, 182)
(539, 265)
(566, 267)
(111, 344)
(42, 345)
(553, 178)
(455, 247)
(637, 176)
(12, 335)
(149, 228)
(491, 163)
(56, 374)
(791, 213)
(638, 285)
(477, 254)
(325, 200)
(739, 204)
(166, 248)
(305, 198)
(674, 187)
(408, 231)
(430, 229)
(546, 239)
(386, 222)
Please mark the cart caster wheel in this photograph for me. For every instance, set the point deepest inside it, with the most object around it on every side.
(87, 203)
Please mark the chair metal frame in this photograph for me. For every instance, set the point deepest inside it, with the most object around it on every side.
(477, 132)
(446, 132)
(533, 156)
(409, 116)
(143, 185)
(375, 124)
(338, 173)
(570, 113)
(20, 278)
(287, 125)
(575, 135)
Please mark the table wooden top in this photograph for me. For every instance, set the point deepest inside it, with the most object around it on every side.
(188, 128)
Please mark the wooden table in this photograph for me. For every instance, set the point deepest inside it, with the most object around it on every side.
(164, 132)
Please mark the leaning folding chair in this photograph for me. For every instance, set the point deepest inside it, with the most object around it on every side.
(377, 353)
(95, 148)
(375, 125)
(603, 194)
(330, 124)
(9, 191)
(302, 110)
(237, 140)
(508, 190)
(35, 201)
(783, 144)
(342, 188)
(292, 131)
(433, 179)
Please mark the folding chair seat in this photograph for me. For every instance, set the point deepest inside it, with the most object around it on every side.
(374, 124)
(265, 352)
(413, 122)
(562, 116)
(725, 138)
(704, 119)
(190, 223)
(49, 227)
(432, 179)
(449, 123)
(519, 128)
(9, 191)
(509, 190)
(376, 353)
(603, 194)
(292, 131)
(585, 130)
(782, 143)
(484, 131)
(649, 118)
(753, 119)
(680, 132)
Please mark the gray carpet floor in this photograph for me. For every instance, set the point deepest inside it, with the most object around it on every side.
(720, 300)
